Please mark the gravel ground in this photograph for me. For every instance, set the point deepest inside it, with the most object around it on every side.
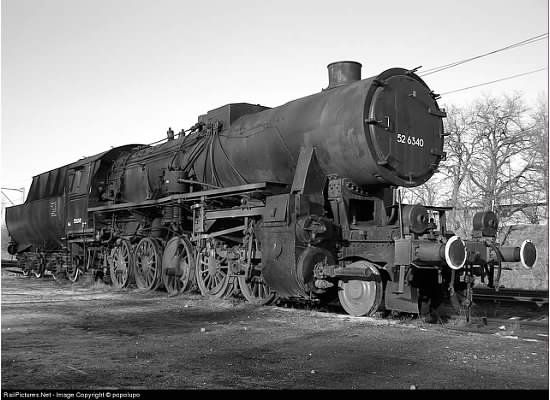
(88, 336)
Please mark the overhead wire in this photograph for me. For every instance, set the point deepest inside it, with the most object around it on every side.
(460, 62)
(497, 80)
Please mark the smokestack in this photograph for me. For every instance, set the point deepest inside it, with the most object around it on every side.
(343, 73)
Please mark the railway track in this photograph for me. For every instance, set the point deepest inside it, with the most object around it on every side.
(539, 297)
(522, 309)
(509, 308)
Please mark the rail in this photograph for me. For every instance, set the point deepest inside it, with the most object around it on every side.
(505, 294)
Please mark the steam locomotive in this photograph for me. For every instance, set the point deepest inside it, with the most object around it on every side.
(297, 202)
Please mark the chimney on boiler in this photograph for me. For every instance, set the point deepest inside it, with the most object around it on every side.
(343, 73)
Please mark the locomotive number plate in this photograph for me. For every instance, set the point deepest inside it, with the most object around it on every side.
(410, 140)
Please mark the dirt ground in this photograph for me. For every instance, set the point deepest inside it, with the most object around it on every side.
(62, 336)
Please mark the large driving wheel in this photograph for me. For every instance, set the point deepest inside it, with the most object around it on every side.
(359, 298)
(178, 265)
(121, 265)
(255, 290)
(252, 283)
(148, 264)
(213, 271)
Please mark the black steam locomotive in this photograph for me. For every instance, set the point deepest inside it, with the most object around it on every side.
(299, 201)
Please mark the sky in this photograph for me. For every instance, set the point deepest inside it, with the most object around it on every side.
(82, 76)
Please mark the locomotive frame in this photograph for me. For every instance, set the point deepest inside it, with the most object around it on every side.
(316, 234)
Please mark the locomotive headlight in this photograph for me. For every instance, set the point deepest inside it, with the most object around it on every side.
(455, 252)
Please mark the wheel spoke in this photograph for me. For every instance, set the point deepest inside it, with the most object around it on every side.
(216, 279)
(255, 290)
(147, 264)
(175, 273)
(121, 265)
(209, 282)
(212, 268)
(259, 290)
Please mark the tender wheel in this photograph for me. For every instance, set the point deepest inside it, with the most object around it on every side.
(361, 298)
(212, 271)
(178, 265)
(255, 290)
(148, 264)
(73, 274)
(38, 268)
(39, 272)
(121, 265)
(74, 270)
(60, 274)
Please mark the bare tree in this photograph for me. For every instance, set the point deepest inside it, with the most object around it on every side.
(497, 158)
(459, 147)
(537, 158)
(498, 168)
(428, 193)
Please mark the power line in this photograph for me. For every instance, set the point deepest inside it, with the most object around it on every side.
(456, 63)
(497, 80)
(12, 203)
(512, 205)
